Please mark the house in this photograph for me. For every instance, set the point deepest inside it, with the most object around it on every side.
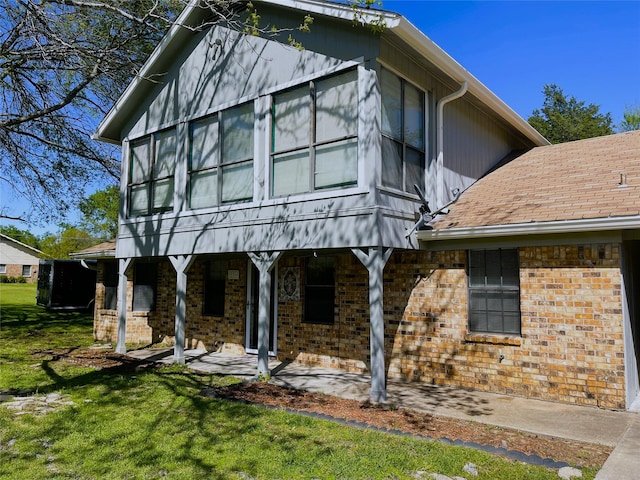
(268, 207)
(18, 259)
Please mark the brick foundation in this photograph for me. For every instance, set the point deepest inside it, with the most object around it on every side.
(570, 350)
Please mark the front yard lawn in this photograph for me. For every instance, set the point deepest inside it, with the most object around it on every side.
(122, 421)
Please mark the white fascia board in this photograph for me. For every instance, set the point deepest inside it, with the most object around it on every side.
(339, 10)
(564, 226)
(421, 43)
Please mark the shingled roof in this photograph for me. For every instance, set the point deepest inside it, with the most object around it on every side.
(583, 181)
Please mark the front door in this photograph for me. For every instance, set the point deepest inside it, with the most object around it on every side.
(253, 295)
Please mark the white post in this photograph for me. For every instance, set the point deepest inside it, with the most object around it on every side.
(181, 264)
(123, 265)
(264, 262)
(374, 262)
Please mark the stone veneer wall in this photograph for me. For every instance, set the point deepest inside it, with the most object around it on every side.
(570, 349)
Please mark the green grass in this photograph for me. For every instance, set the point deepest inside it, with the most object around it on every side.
(156, 424)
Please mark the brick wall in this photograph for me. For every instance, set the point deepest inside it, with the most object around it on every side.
(571, 348)
(14, 270)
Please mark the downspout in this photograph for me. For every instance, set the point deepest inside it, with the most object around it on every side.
(440, 200)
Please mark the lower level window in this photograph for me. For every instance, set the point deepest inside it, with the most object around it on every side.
(110, 282)
(26, 270)
(319, 293)
(494, 291)
(214, 287)
(145, 278)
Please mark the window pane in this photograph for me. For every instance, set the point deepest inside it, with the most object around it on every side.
(110, 282)
(163, 195)
(320, 290)
(165, 153)
(511, 323)
(391, 92)
(321, 271)
(476, 268)
(337, 107)
(492, 267)
(510, 268)
(237, 133)
(214, 288)
(291, 119)
(237, 182)
(204, 143)
(290, 173)
(415, 170)
(413, 117)
(3, 269)
(203, 188)
(139, 200)
(494, 322)
(478, 321)
(140, 162)
(26, 270)
(337, 164)
(391, 163)
(144, 286)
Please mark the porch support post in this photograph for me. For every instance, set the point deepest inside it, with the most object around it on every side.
(264, 262)
(123, 266)
(181, 264)
(374, 262)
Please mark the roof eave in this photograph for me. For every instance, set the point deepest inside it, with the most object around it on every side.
(532, 228)
(421, 43)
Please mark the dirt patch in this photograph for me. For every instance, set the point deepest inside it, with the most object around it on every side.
(575, 453)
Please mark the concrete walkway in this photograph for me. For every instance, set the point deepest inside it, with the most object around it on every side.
(588, 424)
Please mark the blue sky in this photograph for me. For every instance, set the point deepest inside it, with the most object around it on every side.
(590, 49)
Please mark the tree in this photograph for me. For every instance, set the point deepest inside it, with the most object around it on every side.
(63, 64)
(100, 212)
(69, 240)
(631, 120)
(22, 236)
(563, 119)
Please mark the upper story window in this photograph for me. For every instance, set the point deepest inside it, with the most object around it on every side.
(152, 161)
(403, 133)
(494, 291)
(221, 158)
(314, 136)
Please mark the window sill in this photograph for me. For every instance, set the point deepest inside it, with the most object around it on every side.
(494, 339)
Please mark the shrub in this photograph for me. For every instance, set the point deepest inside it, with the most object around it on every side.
(8, 279)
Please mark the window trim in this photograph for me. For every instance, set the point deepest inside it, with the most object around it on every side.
(313, 144)
(496, 289)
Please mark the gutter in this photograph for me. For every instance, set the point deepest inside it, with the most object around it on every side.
(440, 140)
(533, 228)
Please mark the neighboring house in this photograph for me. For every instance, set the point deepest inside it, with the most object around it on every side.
(268, 207)
(18, 259)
